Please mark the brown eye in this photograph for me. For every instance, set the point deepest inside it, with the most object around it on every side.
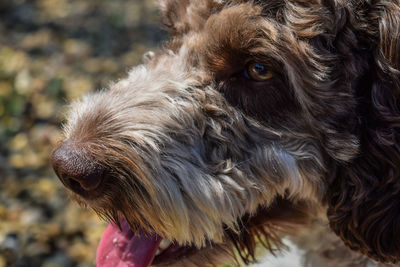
(258, 72)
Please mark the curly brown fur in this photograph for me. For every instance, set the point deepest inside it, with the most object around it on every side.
(199, 153)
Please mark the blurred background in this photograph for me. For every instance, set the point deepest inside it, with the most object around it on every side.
(52, 52)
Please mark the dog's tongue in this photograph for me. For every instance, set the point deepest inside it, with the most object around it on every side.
(126, 249)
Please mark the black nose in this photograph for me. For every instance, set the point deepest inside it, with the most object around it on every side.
(76, 170)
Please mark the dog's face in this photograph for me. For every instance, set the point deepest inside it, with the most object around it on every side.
(251, 117)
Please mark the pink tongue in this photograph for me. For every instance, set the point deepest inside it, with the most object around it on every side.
(126, 249)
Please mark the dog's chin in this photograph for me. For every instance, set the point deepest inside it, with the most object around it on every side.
(120, 246)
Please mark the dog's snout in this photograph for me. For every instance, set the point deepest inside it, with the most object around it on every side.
(79, 173)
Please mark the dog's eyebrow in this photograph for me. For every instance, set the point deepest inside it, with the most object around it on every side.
(228, 36)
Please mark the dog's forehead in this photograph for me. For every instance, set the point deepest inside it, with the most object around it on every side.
(230, 37)
(226, 38)
(183, 16)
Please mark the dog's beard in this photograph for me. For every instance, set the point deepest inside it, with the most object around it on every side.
(135, 210)
(121, 244)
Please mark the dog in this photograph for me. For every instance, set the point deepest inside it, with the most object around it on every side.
(257, 121)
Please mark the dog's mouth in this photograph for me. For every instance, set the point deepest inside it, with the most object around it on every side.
(124, 248)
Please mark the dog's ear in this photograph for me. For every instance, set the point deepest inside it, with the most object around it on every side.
(364, 195)
(387, 16)
(182, 16)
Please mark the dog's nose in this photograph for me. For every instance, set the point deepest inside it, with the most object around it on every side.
(77, 172)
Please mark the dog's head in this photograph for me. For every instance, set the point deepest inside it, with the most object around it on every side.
(254, 114)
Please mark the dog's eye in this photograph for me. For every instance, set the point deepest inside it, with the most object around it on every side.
(258, 72)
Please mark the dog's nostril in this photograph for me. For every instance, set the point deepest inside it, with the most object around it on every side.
(75, 170)
(74, 185)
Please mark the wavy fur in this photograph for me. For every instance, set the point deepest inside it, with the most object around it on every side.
(201, 154)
